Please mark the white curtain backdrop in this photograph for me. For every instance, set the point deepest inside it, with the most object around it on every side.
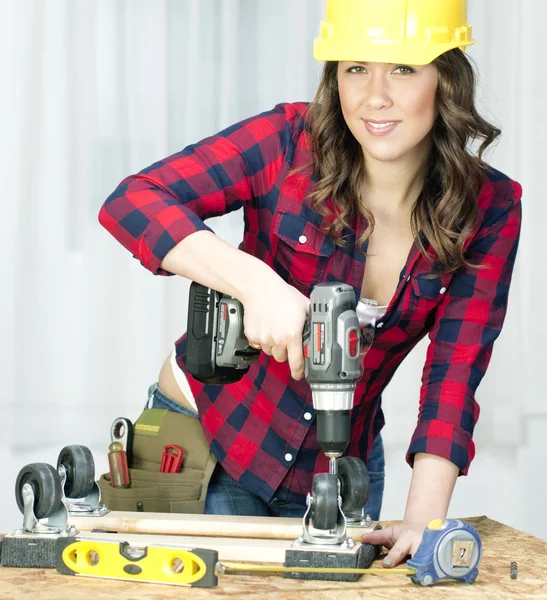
(94, 90)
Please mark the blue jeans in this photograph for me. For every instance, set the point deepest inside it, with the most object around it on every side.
(225, 496)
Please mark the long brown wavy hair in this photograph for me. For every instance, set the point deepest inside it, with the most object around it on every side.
(445, 213)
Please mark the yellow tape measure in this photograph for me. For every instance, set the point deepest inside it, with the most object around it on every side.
(153, 564)
(225, 566)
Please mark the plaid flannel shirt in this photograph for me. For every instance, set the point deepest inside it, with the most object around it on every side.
(262, 428)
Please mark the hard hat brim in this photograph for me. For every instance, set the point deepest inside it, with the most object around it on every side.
(404, 53)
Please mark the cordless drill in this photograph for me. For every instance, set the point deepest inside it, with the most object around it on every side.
(218, 352)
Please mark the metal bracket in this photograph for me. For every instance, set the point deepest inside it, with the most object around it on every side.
(90, 506)
(337, 536)
(57, 521)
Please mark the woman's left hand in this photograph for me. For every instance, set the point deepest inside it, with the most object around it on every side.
(401, 540)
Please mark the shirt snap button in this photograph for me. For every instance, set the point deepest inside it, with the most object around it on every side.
(442, 290)
(288, 457)
(302, 239)
(307, 416)
(379, 325)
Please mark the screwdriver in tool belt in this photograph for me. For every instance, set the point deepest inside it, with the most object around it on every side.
(119, 470)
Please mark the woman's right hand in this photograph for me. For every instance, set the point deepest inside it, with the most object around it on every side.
(274, 312)
(274, 318)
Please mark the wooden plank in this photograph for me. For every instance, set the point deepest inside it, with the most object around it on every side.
(275, 528)
(501, 545)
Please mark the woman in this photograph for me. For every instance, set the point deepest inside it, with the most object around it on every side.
(371, 184)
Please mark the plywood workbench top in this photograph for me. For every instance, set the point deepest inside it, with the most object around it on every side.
(501, 545)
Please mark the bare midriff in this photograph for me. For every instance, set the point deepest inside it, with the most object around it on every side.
(169, 386)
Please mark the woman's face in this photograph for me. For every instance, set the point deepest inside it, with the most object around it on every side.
(390, 109)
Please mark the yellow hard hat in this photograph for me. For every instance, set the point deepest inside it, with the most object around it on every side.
(414, 32)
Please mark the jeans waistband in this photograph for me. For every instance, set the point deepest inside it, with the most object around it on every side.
(157, 399)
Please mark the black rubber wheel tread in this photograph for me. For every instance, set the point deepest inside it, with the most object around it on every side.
(46, 484)
(80, 470)
(354, 483)
(325, 501)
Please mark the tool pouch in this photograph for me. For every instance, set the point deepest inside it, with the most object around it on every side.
(152, 491)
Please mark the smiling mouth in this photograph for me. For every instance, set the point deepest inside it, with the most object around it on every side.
(380, 127)
(380, 124)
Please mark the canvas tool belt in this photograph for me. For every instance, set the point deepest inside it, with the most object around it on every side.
(152, 491)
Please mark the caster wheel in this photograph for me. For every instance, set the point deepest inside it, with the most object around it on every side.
(46, 485)
(80, 470)
(325, 501)
(354, 483)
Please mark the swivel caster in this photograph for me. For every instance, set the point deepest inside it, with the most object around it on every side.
(39, 495)
(79, 468)
(76, 469)
(45, 484)
(324, 522)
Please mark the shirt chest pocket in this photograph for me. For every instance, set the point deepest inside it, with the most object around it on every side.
(301, 251)
(425, 295)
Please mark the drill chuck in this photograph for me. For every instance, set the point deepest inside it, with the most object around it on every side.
(333, 431)
(332, 396)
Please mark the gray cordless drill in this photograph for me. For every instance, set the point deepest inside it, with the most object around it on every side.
(218, 352)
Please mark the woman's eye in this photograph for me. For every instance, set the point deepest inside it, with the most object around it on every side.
(404, 70)
(356, 69)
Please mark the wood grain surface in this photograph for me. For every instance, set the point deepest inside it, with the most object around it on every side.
(501, 545)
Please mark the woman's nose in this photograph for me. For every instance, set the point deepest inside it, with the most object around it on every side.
(377, 92)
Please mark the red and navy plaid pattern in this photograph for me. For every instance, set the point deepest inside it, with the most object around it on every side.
(262, 429)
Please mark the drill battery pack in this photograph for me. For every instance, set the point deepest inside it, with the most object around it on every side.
(217, 350)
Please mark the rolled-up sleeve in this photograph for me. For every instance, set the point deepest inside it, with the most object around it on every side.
(467, 322)
(151, 212)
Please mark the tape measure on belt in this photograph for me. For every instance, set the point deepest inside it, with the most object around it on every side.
(152, 564)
